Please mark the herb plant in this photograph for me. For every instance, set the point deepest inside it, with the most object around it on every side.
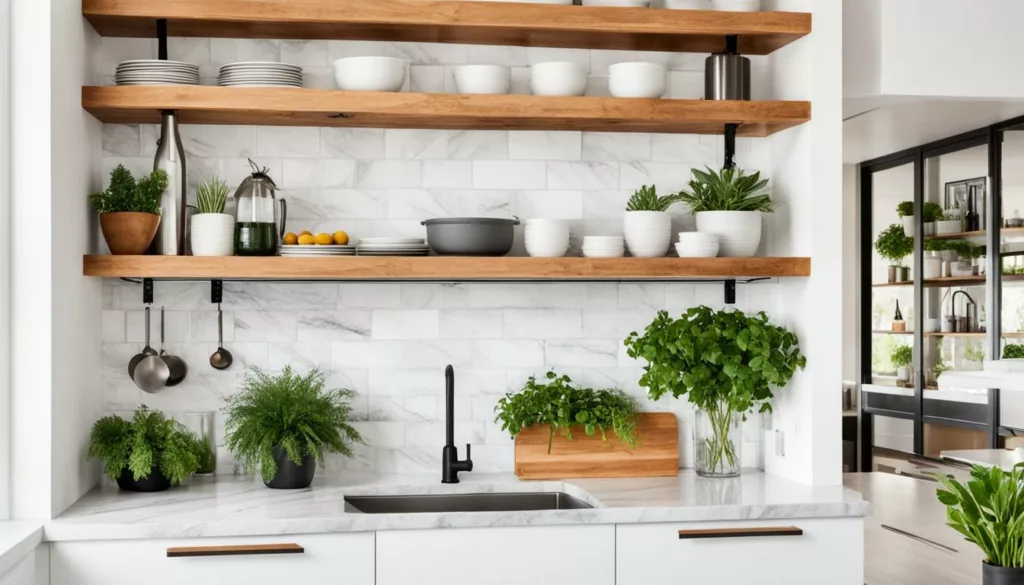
(974, 352)
(727, 190)
(901, 356)
(126, 194)
(964, 249)
(988, 511)
(560, 405)
(932, 212)
(647, 199)
(150, 440)
(905, 209)
(893, 245)
(293, 412)
(211, 195)
(1013, 351)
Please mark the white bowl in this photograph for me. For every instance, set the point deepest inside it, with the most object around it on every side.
(626, 3)
(370, 73)
(558, 78)
(688, 4)
(483, 79)
(698, 239)
(588, 253)
(737, 5)
(685, 251)
(637, 80)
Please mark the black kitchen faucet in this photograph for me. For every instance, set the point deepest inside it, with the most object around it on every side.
(450, 464)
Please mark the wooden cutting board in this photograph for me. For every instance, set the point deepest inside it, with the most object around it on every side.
(657, 454)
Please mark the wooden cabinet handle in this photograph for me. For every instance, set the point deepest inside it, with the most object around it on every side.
(244, 549)
(740, 532)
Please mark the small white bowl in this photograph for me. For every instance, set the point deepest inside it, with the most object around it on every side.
(637, 80)
(623, 3)
(688, 4)
(483, 79)
(737, 5)
(698, 239)
(370, 73)
(558, 78)
(686, 251)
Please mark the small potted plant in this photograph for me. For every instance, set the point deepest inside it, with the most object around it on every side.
(901, 357)
(894, 246)
(725, 363)
(150, 453)
(1013, 351)
(281, 426)
(729, 203)
(949, 223)
(130, 210)
(213, 231)
(965, 252)
(932, 213)
(648, 226)
(988, 510)
(974, 354)
(905, 211)
(932, 265)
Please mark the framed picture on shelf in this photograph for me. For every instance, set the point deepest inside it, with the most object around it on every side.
(968, 194)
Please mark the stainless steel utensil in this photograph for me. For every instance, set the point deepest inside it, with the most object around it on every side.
(170, 156)
(152, 373)
(146, 351)
(175, 364)
(221, 359)
(727, 77)
(471, 236)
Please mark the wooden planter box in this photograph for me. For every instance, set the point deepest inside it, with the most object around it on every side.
(657, 455)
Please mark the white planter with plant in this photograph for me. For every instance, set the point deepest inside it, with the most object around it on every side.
(902, 357)
(648, 225)
(905, 211)
(894, 246)
(213, 231)
(729, 204)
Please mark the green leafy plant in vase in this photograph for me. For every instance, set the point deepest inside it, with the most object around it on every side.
(130, 210)
(894, 246)
(901, 357)
(213, 231)
(725, 363)
(648, 226)
(729, 203)
(146, 454)
(280, 426)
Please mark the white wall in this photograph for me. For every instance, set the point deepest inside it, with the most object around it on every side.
(851, 270)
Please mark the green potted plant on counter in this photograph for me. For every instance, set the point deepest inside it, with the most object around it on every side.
(1013, 351)
(726, 364)
(213, 231)
(150, 453)
(729, 203)
(648, 226)
(130, 210)
(281, 425)
(988, 510)
(894, 246)
(901, 357)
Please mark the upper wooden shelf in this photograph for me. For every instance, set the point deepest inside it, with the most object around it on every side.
(452, 21)
(443, 268)
(279, 106)
(1006, 231)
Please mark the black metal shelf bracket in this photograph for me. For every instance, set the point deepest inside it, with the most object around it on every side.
(216, 291)
(730, 292)
(161, 39)
(730, 145)
(147, 291)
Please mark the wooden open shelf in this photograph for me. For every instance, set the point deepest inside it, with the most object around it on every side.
(452, 21)
(318, 107)
(1006, 231)
(439, 268)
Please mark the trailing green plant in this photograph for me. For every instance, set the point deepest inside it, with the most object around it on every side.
(988, 510)
(727, 190)
(646, 199)
(150, 440)
(1013, 351)
(931, 211)
(939, 368)
(207, 455)
(290, 411)
(893, 245)
(124, 193)
(211, 195)
(901, 356)
(974, 352)
(560, 405)
(936, 245)
(723, 362)
(905, 208)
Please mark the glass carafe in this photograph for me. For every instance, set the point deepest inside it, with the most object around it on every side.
(259, 215)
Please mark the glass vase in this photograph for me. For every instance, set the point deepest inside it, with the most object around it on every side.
(203, 424)
(717, 440)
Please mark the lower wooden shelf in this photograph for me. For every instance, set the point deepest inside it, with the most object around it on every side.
(442, 268)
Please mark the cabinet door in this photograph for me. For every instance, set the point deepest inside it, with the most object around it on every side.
(329, 559)
(549, 555)
(747, 553)
(22, 573)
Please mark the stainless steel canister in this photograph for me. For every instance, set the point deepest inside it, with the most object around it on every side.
(171, 237)
(727, 77)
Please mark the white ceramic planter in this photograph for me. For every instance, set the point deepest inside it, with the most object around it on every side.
(929, 228)
(908, 225)
(737, 5)
(648, 233)
(903, 373)
(213, 234)
(739, 232)
(945, 227)
(932, 267)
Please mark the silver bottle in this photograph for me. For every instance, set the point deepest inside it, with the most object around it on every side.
(171, 237)
(726, 77)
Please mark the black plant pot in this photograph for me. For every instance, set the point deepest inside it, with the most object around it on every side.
(290, 476)
(992, 575)
(155, 482)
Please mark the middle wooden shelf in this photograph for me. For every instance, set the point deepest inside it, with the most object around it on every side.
(317, 107)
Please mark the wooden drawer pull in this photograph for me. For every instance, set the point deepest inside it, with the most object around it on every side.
(740, 532)
(245, 549)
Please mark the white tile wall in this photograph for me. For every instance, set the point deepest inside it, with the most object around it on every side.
(389, 341)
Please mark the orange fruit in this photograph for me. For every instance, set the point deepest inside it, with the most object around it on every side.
(307, 240)
(324, 239)
(340, 238)
(290, 239)
(305, 233)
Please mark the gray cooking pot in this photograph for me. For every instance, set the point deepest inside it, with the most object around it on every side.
(471, 236)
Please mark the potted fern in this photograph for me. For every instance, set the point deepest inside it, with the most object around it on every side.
(281, 426)
(648, 226)
(213, 231)
(729, 203)
(130, 210)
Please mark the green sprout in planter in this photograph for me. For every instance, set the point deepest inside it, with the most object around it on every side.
(893, 245)
(974, 352)
(932, 212)
(125, 194)
(727, 190)
(905, 209)
(211, 195)
(647, 199)
(1013, 351)
(964, 249)
(902, 356)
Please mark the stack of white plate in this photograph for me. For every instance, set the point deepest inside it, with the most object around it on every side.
(603, 246)
(316, 250)
(393, 247)
(547, 238)
(260, 74)
(156, 72)
(697, 245)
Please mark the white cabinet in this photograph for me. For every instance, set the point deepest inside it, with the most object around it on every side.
(749, 553)
(544, 555)
(327, 559)
(22, 573)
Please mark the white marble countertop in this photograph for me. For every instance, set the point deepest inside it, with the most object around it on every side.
(1003, 458)
(17, 539)
(242, 507)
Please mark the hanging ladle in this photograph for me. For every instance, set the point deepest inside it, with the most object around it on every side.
(145, 353)
(221, 359)
(174, 363)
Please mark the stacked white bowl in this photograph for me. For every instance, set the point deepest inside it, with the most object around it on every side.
(547, 238)
(697, 245)
(484, 79)
(558, 78)
(603, 246)
(370, 73)
(637, 79)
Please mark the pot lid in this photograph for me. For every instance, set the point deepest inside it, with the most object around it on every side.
(470, 221)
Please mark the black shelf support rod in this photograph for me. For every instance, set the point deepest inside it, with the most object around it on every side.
(216, 291)
(161, 38)
(730, 145)
(730, 291)
(147, 291)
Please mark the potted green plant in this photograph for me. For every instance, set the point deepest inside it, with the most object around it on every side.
(931, 213)
(648, 226)
(988, 510)
(149, 453)
(974, 353)
(725, 363)
(729, 203)
(901, 357)
(281, 425)
(894, 246)
(1013, 351)
(213, 231)
(130, 210)
(932, 262)
(905, 211)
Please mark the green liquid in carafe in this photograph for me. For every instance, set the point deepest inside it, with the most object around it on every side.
(255, 238)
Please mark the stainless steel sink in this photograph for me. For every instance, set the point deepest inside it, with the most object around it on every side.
(515, 502)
